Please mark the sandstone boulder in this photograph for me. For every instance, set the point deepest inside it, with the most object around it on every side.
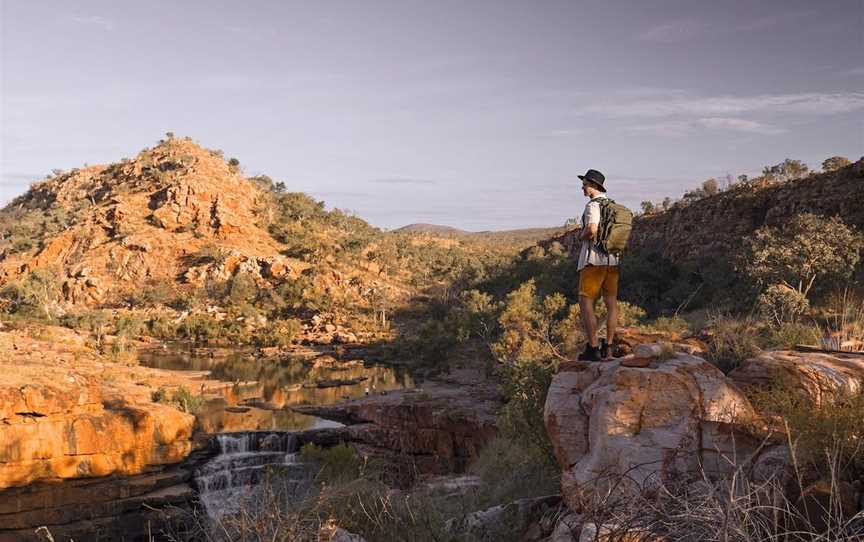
(677, 416)
(810, 373)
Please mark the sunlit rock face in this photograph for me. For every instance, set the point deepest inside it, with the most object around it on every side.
(649, 424)
(67, 431)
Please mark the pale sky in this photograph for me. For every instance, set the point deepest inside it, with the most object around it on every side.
(475, 114)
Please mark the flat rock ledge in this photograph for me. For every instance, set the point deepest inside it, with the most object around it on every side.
(68, 430)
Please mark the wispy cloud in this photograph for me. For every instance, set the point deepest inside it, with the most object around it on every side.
(853, 72)
(563, 132)
(738, 125)
(770, 21)
(678, 128)
(405, 180)
(805, 103)
(690, 28)
(676, 31)
(94, 20)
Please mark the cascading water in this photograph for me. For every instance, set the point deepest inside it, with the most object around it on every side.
(246, 464)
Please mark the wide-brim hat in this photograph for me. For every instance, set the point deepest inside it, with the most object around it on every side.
(594, 177)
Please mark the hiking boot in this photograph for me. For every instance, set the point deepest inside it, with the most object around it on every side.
(591, 353)
(605, 350)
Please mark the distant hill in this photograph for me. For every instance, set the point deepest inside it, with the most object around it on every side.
(433, 229)
(517, 239)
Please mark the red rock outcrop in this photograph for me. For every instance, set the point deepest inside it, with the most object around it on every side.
(67, 431)
(142, 219)
(66, 412)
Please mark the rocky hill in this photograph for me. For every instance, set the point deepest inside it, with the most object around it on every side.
(716, 224)
(107, 229)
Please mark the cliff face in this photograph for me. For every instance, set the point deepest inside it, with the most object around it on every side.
(715, 226)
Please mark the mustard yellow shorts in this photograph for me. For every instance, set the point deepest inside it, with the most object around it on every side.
(594, 278)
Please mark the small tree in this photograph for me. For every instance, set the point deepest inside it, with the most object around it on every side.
(710, 187)
(808, 248)
(782, 304)
(648, 208)
(786, 170)
(834, 163)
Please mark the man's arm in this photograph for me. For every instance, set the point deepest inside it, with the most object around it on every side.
(592, 212)
(589, 232)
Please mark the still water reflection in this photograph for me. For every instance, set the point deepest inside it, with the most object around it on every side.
(262, 389)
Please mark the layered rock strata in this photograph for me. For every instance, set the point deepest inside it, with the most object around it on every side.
(67, 431)
(115, 507)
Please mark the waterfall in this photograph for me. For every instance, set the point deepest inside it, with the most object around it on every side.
(244, 463)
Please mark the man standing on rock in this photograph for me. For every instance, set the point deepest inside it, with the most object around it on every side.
(597, 271)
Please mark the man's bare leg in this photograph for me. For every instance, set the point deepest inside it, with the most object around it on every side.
(589, 320)
(611, 318)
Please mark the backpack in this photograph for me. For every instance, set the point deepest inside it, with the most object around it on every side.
(616, 221)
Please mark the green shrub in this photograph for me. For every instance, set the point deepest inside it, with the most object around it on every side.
(279, 333)
(129, 325)
(791, 334)
(805, 249)
(536, 328)
(120, 351)
(827, 435)
(508, 471)
(154, 292)
(180, 398)
(199, 328)
(781, 304)
(95, 321)
(337, 463)
(33, 296)
(670, 324)
(162, 327)
(524, 386)
(733, 341)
